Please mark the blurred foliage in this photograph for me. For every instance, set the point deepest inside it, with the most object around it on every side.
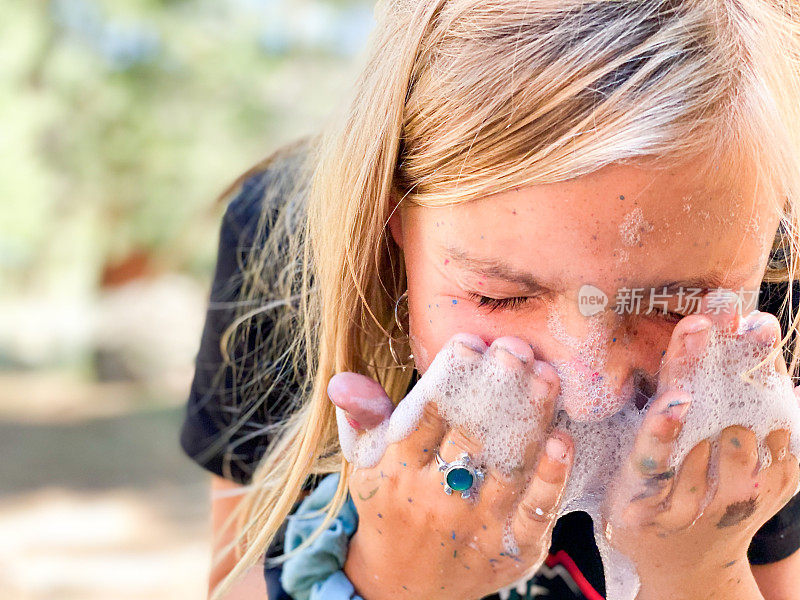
(120, 122)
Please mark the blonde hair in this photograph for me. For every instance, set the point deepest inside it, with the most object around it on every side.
(461, 99)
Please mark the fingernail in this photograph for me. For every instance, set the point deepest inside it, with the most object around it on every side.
(353, 423)
(471, 345)
(757, 323)
(556, 449)
(696, 337)
(519, 357)
(677, 409)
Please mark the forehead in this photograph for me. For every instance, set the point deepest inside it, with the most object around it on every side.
(623, 223)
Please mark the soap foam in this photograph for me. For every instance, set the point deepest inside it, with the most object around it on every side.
(464, 388)
(726, 391)
(633, 226)
(586, 393)
(493, 403)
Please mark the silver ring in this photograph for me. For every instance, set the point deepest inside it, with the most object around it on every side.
(460, 475)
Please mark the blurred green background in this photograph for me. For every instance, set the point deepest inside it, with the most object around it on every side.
(120, 124)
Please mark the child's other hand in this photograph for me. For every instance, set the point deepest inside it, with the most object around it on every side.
(653, 512)
(415, 541)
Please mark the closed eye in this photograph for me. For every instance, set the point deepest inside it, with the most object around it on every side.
(513, 303)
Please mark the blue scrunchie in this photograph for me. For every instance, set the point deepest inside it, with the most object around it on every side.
(316, 572)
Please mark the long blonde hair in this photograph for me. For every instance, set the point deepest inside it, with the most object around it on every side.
(461, 99)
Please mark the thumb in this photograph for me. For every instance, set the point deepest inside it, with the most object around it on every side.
(363, 400)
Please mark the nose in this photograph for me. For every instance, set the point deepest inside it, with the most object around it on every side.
(599, 373)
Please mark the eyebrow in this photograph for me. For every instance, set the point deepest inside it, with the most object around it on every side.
(498, 269)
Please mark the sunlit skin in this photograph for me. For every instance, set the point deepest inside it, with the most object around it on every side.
(556, 238)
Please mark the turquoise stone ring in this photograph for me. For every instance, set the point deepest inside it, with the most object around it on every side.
(460, 475)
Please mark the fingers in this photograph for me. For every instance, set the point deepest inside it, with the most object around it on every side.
(420, 446)
(517, 356)
(543, 386)
(723, 308)
(363, 400)
(689, 491)
(688, 341)
(648, 476)
(778, 444)
(536, 512)
(738, 459)
(764, 331)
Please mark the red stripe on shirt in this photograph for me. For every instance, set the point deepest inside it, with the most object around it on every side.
(562, 558)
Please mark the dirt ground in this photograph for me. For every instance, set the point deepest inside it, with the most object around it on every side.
(97, 500)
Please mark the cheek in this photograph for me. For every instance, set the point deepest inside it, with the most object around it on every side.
(432, 322)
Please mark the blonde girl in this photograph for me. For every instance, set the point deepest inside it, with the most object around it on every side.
(496, 157)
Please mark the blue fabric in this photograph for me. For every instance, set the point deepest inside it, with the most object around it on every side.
(316, 572)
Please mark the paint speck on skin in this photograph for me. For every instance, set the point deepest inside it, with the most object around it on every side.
(647, 464)
(455, 301)
(736, 443)
(380, 516)
(737, 512)
(454, 534)
(446, 261)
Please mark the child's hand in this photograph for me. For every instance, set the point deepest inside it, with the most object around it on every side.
(653, 513)
(413, 540)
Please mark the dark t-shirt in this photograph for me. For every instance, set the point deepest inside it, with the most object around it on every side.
(573, 569)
